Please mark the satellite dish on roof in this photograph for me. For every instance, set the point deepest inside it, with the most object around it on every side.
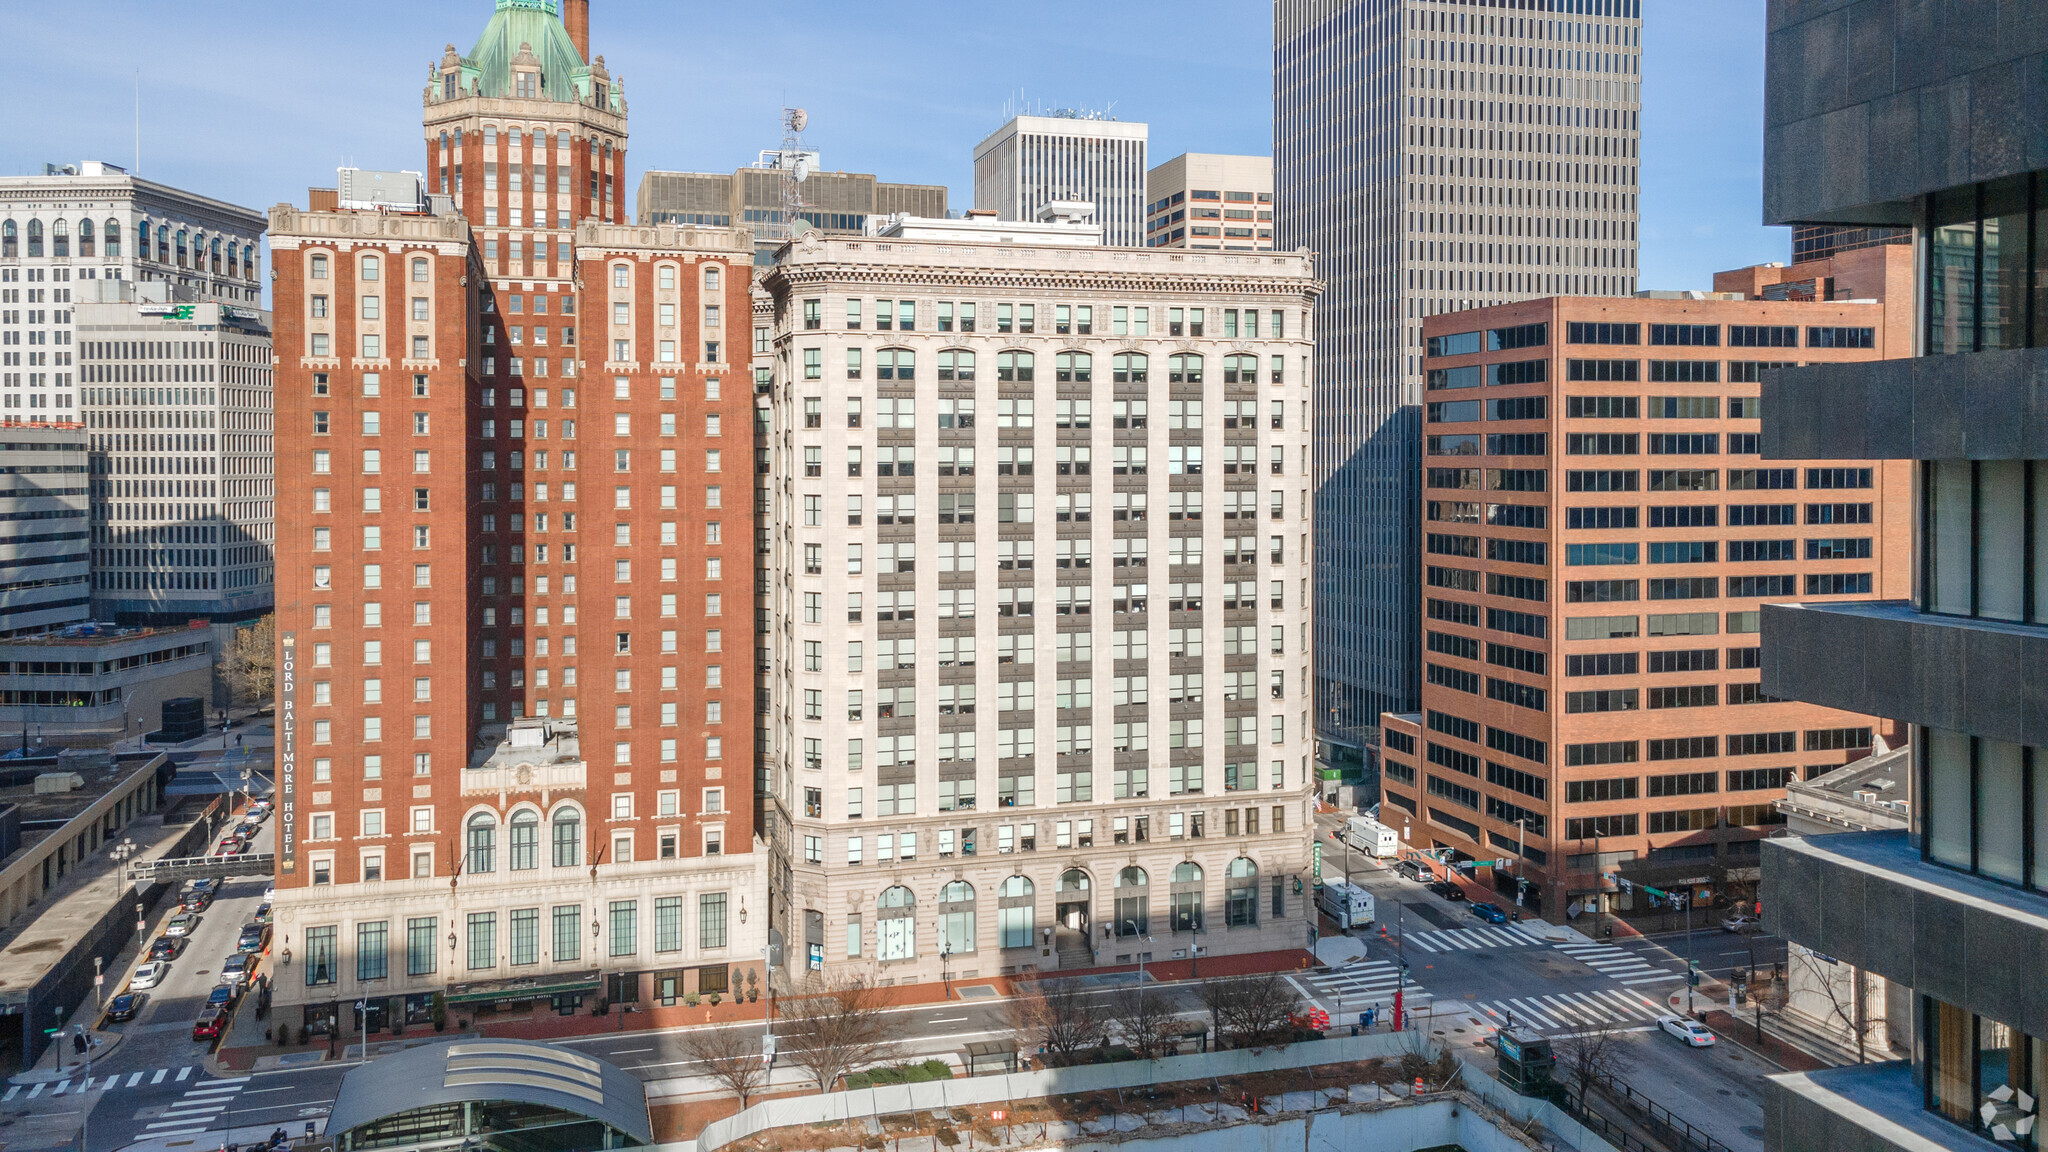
(802, 168)
(798, 119)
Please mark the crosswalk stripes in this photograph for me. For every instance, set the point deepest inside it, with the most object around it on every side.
(1355, 986)
(1619, 964)
(196, 1108)
(72, 1086)
(1572, 1011)
(1488, 936)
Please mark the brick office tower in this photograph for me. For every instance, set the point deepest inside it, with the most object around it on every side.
(479, 798)
(1598, 536)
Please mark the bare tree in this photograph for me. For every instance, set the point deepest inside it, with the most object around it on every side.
(1588, 1057)
(1823, 993)
(250, 664)
(730, 1055)
(1145, 1019)
(834, 1029)
(1250, 1010)
(1060, 1018)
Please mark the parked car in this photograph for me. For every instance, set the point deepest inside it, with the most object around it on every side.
(237, 969)
(1742, 925)
(253, 938)
(247, 829)
(195, 902)
(166, 948)
(263, 912)
(150, 974)
(210, 885)
(209, 1024)
(1491, 913)
(1692, 1032)
(1409, 870)
(1448, 891)
(222, 995)
(126, 1005)
(182, 925)
(260, 809)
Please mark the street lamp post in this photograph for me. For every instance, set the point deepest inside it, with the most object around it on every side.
(1138, 932)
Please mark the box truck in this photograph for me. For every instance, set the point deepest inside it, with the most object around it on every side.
(1367, 835)
(1348, 904)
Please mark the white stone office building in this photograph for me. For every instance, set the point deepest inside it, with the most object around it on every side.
(78, 223)
(1033, 161)
(176, 399)
(1036, 599)
(1203, 200)
(1437, 156)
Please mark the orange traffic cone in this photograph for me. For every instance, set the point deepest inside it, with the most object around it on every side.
(1419, 1089)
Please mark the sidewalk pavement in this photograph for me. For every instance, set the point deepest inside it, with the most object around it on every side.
(103, 1045)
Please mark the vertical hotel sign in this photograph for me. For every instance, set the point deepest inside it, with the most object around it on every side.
(288, 755)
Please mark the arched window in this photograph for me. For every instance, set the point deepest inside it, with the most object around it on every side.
(213, 255)
(1013, 367)
(1241, 369)
(35, 237)
(86, 247)
(458, 137)
(955, 364)
(419, 270)
(60, 238)
(513, 137)
(1073, 368)
(562, 141)
(896, 927)
(1073, 880)
(10, 240)
(372, 267)
(1185, 909)
(568, 838)
(956, 918)
(184, 248)
(1184, 368)
(111, 231)
(1128, 368)
(523, 842)
(319, 266)
(444, 141)
(142, 240)
(711, 278)
(622, 276)
(483, 844)
(249, 261)
(163, 243)
(895, 364)
(1016, 912)
(1133, 902)
(1241, 894)
(490, 135)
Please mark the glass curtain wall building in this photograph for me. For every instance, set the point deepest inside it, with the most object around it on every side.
(1437, 156)
(1956, 905)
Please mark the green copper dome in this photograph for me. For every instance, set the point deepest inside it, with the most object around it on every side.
(536, 24)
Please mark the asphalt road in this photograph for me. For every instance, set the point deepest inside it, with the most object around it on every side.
(155, 1083)
(1465, 980)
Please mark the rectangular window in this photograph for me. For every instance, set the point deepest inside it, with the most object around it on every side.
(624, 934)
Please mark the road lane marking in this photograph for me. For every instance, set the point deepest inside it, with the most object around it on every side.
(948, 1019)
(11, 1093)
(137, 1079)
(159, 1077)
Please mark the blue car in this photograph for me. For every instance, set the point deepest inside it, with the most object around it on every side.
(1490, 913)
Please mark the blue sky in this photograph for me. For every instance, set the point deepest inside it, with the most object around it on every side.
(253, 100)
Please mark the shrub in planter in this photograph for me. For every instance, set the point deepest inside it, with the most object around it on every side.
(284, 1035)
(690, 998)
(715, 998)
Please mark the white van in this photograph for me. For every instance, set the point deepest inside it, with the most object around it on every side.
(1348, 904)
(1367, 835)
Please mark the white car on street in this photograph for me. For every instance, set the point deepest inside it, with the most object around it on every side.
(148, 975)
(1691, 1031)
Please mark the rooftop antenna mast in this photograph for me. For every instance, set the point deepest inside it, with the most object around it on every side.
(795, 164)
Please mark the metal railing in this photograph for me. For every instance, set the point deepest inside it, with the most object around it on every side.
(1676, 1132)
